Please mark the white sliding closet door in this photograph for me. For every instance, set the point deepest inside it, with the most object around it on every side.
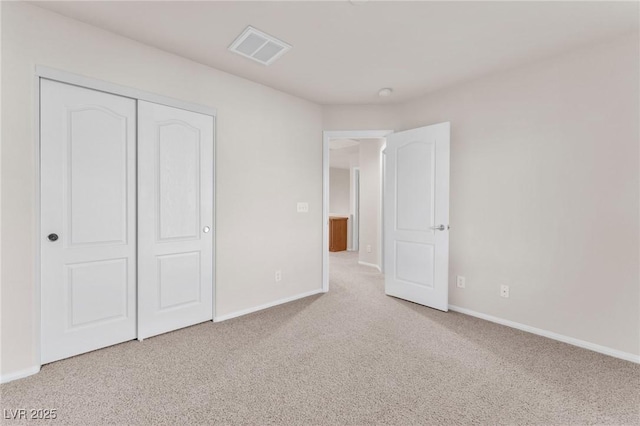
(88, 219)
(175, 218)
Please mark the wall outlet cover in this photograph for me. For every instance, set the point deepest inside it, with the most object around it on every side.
(460, 281)
(504, 291)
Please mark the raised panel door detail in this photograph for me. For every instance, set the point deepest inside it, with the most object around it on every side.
(97, 291)
(178, 181)
(180, 281)
(414, 186)
(96, 176)
(414, 263)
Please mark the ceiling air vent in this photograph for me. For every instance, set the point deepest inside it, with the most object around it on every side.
(260, 47)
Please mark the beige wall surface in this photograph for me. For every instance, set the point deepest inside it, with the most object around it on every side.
(360, 117)
(370, 193)
(544, 190)
(339, 192)
(269, 156)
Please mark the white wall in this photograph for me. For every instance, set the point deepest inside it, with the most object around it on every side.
(544, 190)
(269, 156)
(370, 197)
(339, 192)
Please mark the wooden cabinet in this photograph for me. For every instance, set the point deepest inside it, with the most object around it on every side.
(337, 233)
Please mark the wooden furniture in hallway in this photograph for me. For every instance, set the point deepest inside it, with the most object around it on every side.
(337, 233)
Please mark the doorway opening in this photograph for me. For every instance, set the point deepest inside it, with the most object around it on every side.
(409, 239)
(353, 196)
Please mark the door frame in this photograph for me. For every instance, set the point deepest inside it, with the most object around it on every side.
(327, 135)
(44, 72)
(354, 175)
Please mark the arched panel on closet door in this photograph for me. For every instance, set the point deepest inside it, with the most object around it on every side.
(175, 253)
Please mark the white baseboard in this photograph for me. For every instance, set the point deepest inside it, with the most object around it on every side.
(266, 305)
(369, 264)
(551, 335)
(5, 378)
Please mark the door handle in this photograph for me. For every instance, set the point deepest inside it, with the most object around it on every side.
(206, 229)
(52, 237)
(440, 227)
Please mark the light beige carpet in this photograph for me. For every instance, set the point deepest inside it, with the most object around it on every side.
(352, 356)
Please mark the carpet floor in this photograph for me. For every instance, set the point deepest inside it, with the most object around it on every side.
(351, 356)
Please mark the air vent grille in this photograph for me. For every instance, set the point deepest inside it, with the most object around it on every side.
(260, 47)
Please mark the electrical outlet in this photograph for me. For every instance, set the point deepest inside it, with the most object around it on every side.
(460, 281)
(504, 291)
(278, 275)
(303, 207)
(368, 248)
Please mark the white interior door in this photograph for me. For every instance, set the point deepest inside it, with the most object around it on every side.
(416, 215)
(175, 218)
(88, 219)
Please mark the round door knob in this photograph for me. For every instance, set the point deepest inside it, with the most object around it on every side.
(206, 229)
(53, 237)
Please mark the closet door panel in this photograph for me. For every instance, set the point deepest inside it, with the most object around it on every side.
(175, 242)
(88, 219)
